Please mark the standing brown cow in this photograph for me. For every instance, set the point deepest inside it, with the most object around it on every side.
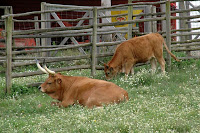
(82, 90)
(137, 50)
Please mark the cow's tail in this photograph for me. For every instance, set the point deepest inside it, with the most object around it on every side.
(172, 55)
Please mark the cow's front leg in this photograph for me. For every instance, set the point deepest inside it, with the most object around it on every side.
(66, 103)
(62, 104)
(128, 66)
(132, 71)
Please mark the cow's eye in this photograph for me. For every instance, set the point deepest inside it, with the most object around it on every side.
(49, 83)
(108, 73)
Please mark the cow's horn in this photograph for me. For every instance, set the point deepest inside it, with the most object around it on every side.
(48, 70)
(42, 69)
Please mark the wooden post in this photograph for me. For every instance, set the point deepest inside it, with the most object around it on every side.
(37, 27)
(94, 41)
(163, 9)
(107, 37)
(188, 25)
(147, 25)
(183, 22)
(168, 33)
(106, 3)
(9, 27)
(154, 23)
(48, 25)
(43, 26)
(130, 15)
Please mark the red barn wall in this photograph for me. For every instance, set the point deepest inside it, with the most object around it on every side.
(22, 6)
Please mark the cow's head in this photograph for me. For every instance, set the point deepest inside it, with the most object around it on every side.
(52, 83)
(110, 72)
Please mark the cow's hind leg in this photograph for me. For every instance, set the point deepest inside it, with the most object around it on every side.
(162, 64)
(93, 102)
(153, 65)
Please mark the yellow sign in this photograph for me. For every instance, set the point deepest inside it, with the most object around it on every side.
(123, 18)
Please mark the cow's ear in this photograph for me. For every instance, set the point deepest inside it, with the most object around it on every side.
(106, 66)
(59, 81)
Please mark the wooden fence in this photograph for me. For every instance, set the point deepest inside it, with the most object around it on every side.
(43, 33)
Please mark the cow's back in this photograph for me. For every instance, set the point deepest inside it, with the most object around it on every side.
(141, 48)
(94, 92)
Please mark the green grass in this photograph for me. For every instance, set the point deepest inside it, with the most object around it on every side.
(158, 103)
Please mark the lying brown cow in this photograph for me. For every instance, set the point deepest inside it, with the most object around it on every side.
(85, 91)
(137, 50)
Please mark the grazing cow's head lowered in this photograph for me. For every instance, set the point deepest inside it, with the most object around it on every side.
(110, 71)
(88, 92)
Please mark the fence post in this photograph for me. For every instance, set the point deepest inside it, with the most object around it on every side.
(154, 23)
(183, 23)
(148, 25)
(43, 26)
(94, 40)
(37, 27)
(163, 22)
(130, 15)
(168, 33)
(9, 27)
